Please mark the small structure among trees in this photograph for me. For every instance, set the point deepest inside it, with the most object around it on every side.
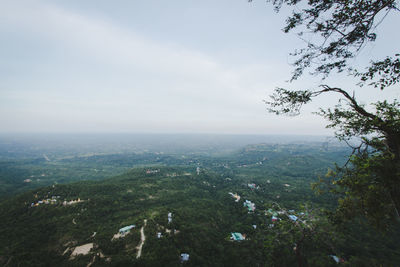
(184, 257)
(125, 230)
(237, 237)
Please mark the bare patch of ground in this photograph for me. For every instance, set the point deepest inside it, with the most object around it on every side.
(116, 236)
(82, 250)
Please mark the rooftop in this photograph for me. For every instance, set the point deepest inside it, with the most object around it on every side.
(237, 236)
(127, 228)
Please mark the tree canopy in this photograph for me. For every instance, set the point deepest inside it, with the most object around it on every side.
(342, 28)
(369, 183)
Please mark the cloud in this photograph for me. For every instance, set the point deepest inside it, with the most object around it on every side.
(90, 70)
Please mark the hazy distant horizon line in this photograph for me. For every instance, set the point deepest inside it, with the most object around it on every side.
(162, 133)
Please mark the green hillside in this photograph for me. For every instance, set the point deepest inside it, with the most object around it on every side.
(204, 215)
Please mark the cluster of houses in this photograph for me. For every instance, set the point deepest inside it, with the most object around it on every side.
(274, 215)
(74, 201)
(149, 171)
(250, 205)
(53, 200)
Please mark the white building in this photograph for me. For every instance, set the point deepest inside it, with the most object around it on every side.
(184, 257)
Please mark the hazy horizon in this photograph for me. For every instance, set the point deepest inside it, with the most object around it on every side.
(36, 144)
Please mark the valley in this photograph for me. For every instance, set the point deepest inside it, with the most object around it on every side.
(250, 206)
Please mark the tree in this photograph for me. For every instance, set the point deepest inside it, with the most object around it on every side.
(369, 183)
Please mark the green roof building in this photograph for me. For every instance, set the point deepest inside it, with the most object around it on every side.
(237, 236)
(126, 229)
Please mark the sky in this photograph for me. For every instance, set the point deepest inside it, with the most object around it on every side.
(178, 66)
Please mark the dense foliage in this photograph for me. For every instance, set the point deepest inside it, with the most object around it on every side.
(369, 184)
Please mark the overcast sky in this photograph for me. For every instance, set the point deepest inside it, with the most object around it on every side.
(178, 66)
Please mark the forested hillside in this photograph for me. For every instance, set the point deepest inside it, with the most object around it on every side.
(192, 205)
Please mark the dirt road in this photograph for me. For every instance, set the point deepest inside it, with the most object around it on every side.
(142, 239)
